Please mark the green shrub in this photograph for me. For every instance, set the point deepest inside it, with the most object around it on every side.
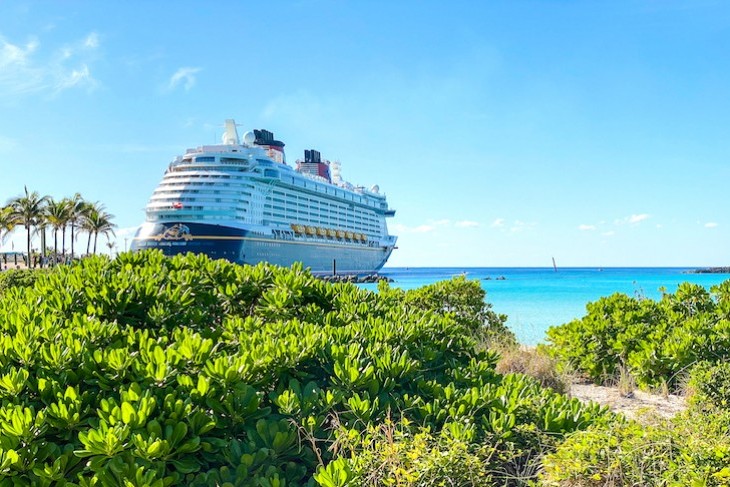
(151, 371)
(656, 341)
(462, 299)
(693, 448)
(709, 385)
(536, 363)
(15, 278)
(393, 454)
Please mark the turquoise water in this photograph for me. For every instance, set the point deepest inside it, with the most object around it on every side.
(536, 298)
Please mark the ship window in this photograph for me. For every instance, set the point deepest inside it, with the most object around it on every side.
(205, 159)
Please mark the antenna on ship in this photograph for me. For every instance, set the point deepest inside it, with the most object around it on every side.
(555, 266)
(230, 136)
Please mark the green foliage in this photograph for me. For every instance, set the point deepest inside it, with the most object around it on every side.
(657, 341)
(396, 455)
(691, 449)
(464, 300)
(14, 278)
(709, 385)
(154, 371)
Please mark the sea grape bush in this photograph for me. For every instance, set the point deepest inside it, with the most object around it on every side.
(153, 371)
(658, 341)
(692, 448)
(709, 385)
(18, 278)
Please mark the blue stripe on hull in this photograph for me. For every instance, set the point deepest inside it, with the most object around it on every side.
(216, 241)
(242, 247)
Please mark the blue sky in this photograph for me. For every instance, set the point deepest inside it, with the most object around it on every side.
(504, 133)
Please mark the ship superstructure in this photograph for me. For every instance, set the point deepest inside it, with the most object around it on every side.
(241, 201)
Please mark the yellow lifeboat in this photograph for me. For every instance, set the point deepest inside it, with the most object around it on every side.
(348, 235)
(321, 231)
(340, 234)
(331, 233)
(363, 237)
(310, 230)
(298, 229)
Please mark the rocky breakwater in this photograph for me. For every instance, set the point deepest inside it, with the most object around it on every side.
(711, 270)
(372, 278)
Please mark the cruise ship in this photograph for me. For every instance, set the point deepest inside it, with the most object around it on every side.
(241, 201)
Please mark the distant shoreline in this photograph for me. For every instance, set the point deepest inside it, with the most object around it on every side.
(711, 270)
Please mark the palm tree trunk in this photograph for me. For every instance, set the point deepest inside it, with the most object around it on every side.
(88, 244)
(43, 245)
(63, 240)
(55, 246)
(28, 263)
(96, 234)
(73, 227)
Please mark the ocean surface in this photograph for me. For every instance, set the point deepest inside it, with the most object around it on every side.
(536, 298)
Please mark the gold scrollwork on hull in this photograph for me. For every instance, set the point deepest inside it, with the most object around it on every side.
(175, 232)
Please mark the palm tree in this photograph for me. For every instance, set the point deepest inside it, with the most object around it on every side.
(66, 216)
(111, 246)
(7, 222)
(77, 206)
(87, 208)
(56, 216)
(97, 221)
(28, 210)
(41, 227)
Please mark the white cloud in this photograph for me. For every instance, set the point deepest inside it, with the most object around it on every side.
(76, 77)
(516, 226)
(586, 228)
(424, 229)
(610, 233)
(186, 76)
(633, 219)
(431, 226)
(26, 68)
(11, 54)
(401, 229)
(638, 218)
(711, 225)
(92, 41)
(125, 232)
(519, 226)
